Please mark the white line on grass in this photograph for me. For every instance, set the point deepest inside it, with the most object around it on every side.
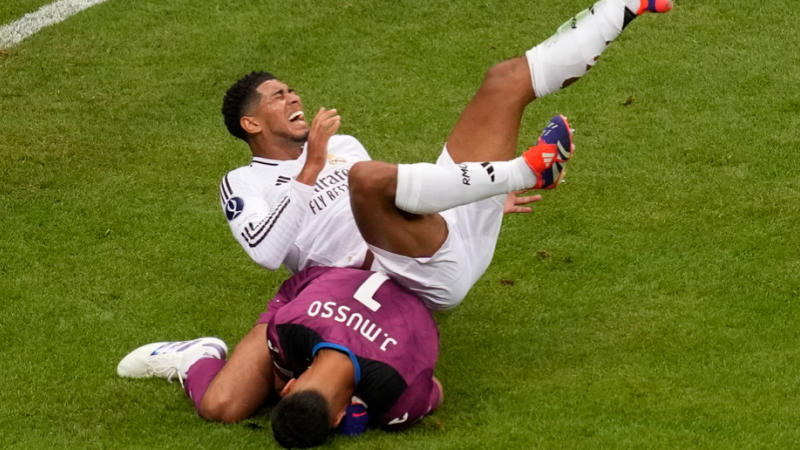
(14, 32)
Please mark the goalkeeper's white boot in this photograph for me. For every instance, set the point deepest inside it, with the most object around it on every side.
(169, 359)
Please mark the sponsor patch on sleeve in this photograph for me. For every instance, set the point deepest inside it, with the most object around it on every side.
(234, 207)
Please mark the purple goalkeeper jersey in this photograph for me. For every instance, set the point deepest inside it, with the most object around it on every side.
(388, 333)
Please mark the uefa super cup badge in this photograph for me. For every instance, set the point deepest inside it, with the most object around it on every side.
(335, 160)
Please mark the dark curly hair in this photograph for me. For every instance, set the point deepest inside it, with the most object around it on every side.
(239, 97)
(301, 420)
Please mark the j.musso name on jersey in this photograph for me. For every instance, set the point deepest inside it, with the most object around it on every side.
(329, 188)
(342, 314)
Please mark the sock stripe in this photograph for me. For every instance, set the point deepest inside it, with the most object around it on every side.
(489, 169)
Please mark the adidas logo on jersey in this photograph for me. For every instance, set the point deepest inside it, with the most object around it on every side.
(282, 180)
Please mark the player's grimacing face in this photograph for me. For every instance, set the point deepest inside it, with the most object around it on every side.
(280, 111)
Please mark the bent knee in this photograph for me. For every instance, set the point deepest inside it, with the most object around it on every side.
(510, 78)
(376, 178)
(220, 409)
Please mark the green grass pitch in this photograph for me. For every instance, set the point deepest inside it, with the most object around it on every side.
(652, 301)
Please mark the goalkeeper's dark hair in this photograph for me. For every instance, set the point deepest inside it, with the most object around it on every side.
(239, 97)
(301, 420)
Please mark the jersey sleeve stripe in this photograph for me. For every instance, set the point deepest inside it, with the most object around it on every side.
(225, 190)
(262, 233)
(252, 232)
(228, 185)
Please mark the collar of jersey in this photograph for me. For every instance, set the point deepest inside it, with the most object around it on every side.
(267, 161)
(275, 162)
(342, 349)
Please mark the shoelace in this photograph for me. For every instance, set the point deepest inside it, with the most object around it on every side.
(168, 371)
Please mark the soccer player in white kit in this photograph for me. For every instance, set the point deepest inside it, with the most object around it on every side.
(310, 197)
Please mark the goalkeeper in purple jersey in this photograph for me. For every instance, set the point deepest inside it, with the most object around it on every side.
(367, 336)
(334, 336)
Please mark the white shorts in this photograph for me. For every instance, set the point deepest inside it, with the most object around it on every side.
(444, 279)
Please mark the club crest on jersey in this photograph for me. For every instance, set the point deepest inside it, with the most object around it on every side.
(233, 208)
(335, 160)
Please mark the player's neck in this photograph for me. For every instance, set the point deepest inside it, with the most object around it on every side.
(281, 150)
(334, 377)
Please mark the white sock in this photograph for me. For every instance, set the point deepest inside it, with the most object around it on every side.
(633, 5)
(575, 47)
(425, 188)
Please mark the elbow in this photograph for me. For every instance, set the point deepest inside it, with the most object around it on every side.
(268, 264)
(264, 259)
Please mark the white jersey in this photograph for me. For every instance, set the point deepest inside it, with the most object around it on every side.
(278, 220)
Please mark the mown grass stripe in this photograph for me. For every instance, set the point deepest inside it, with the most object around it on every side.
(14, 32)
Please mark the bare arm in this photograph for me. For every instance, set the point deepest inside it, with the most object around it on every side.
(324, 125)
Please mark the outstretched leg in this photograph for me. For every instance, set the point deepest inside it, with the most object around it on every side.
(392, 204)
(222, 391)
(395, 205)
(488, 128)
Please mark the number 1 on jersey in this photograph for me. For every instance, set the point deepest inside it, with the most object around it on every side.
(364, 294)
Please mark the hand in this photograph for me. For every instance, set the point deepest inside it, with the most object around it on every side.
(355, 420)
(324, 125)
(514, 204)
